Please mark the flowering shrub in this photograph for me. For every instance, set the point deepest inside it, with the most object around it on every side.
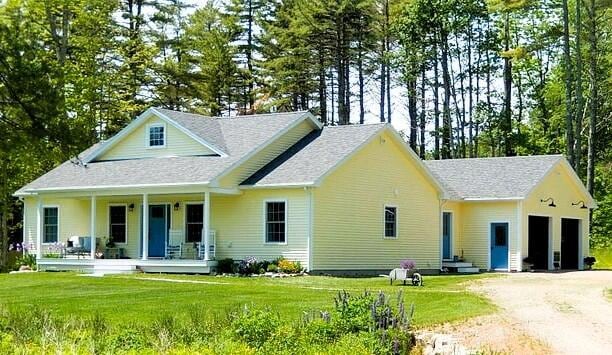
(408, 264)
(290, 267)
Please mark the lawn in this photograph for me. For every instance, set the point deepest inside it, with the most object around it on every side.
(142, 298)
(604, 258)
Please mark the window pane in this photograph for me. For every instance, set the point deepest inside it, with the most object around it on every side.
(195, 213)
(275, 222)
(195, 216)
(117, 232)
(117, 214)
(390, 221)
(50, 224)
(156, 136)
(500, 236)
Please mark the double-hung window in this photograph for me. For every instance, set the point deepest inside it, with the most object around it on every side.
(276, 222)
(390, 222)
(117, 228)
(156, 135)
(195, 222)
(50, 224)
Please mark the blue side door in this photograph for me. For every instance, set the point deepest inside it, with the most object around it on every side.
(446, 235)
(499, 245)
(158, 229)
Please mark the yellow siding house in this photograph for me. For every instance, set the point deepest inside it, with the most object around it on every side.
(174, 192)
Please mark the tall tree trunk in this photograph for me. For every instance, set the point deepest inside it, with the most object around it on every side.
(477, 125)
(489, 103)
(361, 79)
(249, 55)
(383, 64)
(322, 88)
(412, 110)
(340, 70)
(422, 115)
(507, 119)
(470, 97)
(594, 102)
(460, 113)
(388, 47)
(436, 97)
(569, 117)
(579, 99)
(446, 116)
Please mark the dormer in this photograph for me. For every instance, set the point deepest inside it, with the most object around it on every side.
(153, 135)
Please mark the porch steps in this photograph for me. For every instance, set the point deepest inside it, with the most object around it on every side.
(106, 269)
(461, 267)
(468, 270)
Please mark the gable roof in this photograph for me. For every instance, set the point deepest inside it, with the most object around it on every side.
(235, 137)
(313, 156)
(502, 178)
(318, 154)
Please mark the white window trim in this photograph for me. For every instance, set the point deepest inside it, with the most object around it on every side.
(185, 203)
(42, 225)
(126, 221)
(148, 135)
(385, 222)
(265, 221)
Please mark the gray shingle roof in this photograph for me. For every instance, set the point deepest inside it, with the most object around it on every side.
(314, 155)
(235, 136)
(492, 178)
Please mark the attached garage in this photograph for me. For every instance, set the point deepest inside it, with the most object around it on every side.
(515, 211)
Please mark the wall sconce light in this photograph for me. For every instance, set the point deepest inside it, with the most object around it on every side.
(584, 207)
(131, 207)
(552, 202)
(177, 206)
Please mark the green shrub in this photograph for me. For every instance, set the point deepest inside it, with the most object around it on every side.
(254, 326)
(127, 338)
(272, 268)
(226, 266)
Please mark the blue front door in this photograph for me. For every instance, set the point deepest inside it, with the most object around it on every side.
(446, 235)
(499, 245)
(158, 229)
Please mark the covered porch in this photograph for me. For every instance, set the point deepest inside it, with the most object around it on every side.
(152, 231)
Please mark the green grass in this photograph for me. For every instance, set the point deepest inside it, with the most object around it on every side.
(604, 258)
(140, 298)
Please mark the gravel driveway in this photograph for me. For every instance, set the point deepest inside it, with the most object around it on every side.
(568, 311)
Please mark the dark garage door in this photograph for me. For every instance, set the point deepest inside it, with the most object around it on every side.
(569, 243)
(538, 241)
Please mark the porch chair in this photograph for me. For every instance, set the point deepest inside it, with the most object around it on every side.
(79, 246)
(174, 248)
(212, 246)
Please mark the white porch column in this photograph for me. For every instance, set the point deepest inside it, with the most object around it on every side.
(92, 226)
(39, 225)
(207, 225)
(145, 226)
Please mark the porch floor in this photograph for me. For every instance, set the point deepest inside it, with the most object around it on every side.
(118, 266)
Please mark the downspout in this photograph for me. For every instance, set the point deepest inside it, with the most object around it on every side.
(310, 226)
(519, 236)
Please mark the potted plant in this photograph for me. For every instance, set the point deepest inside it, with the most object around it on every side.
(589, 261)
(110, 243)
